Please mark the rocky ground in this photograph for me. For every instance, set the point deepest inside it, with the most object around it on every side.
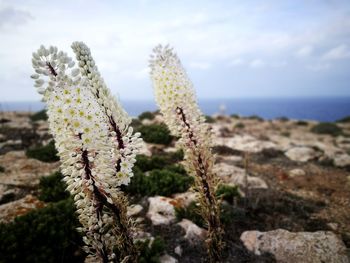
(294, 185)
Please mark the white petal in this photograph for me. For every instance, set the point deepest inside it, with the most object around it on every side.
(35, 76)
(75, 72)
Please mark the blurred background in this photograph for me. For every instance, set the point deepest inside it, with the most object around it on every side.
(270, 58)
(277, 72)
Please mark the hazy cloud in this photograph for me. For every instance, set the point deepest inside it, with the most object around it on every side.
(236, 62)
(304, 51)
(257, 63)
(211, 38)
(319, 67)
(339, 52)
(12, 16)
(200, 65)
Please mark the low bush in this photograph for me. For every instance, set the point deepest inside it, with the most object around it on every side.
(135, 123)
(285, 133)
(166, 182)
(46, 153)
(163, 182)
(209, 119)
(150, 251)
(176, 168)
(227, 192)
(158, 161)
(40, 115)
(146, 115)
(302, 123)
(155, 133)
(235, 116)
(239, 125)
(4, 120)
(52, 188)
(191, 212)
(225, 150)
(327, 128)
(138, 183)
(283, 119)
(44, 235)
(255, 117)
(228, 214)
(6, 198)
(345, 119)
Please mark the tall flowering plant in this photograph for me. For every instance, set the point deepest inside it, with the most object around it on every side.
(175, 96)
(96, 146)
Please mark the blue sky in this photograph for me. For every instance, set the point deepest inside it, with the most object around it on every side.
(290, 48)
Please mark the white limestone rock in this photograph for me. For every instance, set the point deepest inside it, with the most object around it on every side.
(161, 210)
(289, 247)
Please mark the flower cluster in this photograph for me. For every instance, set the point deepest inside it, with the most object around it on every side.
(177, 101)
(95, 145)
(118, 120)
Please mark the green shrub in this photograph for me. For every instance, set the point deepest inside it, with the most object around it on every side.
(44, 235)
(47, 153)
(138, 183)
(255, 117)
(227, 214)
(150, 251)
(283, 119)
(345, 119)
(149, 163)
(327, 128)
(239, 125)
(191, 212)
(52, 188)
(2, 169)
(135, 123)
(165, 182)
(176, 168)
(176, 156)
(235, 116)
(156, 133)
(209, 119)
(158, 161)
(40, 115)
(8, 197)
(146, 115)
(227, 192)
(159, 182)
(302, 123)
(225, 150)
(285, 134)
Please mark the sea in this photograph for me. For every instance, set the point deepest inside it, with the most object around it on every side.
(319, 109)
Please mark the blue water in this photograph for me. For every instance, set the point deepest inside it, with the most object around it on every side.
(321, 109)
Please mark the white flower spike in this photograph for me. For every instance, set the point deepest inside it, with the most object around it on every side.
(91, 154)
(176, 98)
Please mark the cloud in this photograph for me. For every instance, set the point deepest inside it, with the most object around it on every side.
(305, 51)
(279, 64)
(339, 52)
(319, 67)
(215, 36)
(257, 63)
(12, 16)
(200, 65)
(236, 62)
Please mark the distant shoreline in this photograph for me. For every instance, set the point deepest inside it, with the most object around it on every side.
(318, 109)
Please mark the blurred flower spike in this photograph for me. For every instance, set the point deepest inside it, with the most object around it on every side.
(176, 98)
